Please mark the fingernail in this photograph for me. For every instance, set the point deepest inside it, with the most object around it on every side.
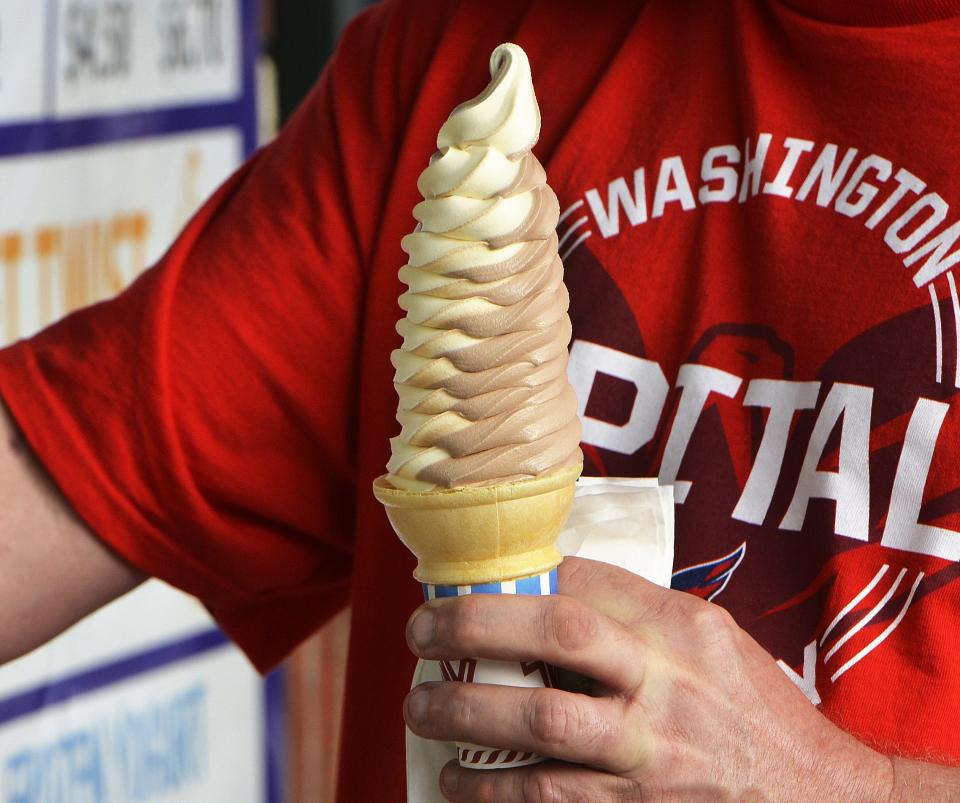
(422, 627)
(417, 704)
(450, 779)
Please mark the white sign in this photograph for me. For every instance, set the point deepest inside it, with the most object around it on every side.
(72, 58)
(71, 233)
(127, 55)
(21, 60)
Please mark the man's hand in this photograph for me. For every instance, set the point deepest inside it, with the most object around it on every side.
(53, 570)
(684, 704)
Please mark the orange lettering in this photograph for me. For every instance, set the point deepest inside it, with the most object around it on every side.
(82, 253)
(128, 234)
(11, 252)
(48, 241)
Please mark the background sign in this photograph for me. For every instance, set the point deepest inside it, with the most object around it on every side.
(117, 119)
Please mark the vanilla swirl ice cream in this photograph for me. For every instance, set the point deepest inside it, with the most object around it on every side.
(481, 374)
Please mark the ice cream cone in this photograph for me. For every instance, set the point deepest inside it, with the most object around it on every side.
(480, 534)
(483, 394)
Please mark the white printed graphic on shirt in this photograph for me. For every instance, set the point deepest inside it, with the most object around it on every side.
(848, 183)
(841, 454)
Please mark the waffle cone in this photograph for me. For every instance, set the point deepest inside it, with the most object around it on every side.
(485, 533)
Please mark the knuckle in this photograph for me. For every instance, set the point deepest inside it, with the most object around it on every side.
(570, 625)
(713, 621)
(552, 722)
(462, 623)
(636, 790)
(577, 570)
(540, 787)
(487, 790)
(680, 603)
(451, 704)
(661, 605)
(717, 636)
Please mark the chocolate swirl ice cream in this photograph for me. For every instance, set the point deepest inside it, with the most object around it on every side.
(481, 375)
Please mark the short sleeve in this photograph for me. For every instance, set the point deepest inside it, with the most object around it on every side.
(203, 423)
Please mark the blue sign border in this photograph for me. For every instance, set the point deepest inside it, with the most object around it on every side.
(50, 134)
(58, 691)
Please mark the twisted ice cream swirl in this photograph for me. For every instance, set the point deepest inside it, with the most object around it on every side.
(481, 375)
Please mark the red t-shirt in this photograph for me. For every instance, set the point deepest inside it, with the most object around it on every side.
(760, 225)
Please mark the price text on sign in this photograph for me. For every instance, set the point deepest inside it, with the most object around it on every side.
(98, 39)
(124, 55)
(192, 34)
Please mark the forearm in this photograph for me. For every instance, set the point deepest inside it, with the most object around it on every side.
(918, 780)
(53, 570)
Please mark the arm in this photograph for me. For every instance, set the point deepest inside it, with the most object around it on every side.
(685, 705)
(54, 570)
(917, 780)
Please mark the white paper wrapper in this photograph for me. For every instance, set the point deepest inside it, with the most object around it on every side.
(622, 521)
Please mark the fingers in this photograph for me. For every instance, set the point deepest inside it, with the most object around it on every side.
(541, 783)
(571, 727)
(623, 596)
(557, 629)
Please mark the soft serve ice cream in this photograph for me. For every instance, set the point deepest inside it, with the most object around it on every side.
(481, 374)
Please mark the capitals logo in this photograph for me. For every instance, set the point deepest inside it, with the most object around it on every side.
(822, 507)
(706, 580)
